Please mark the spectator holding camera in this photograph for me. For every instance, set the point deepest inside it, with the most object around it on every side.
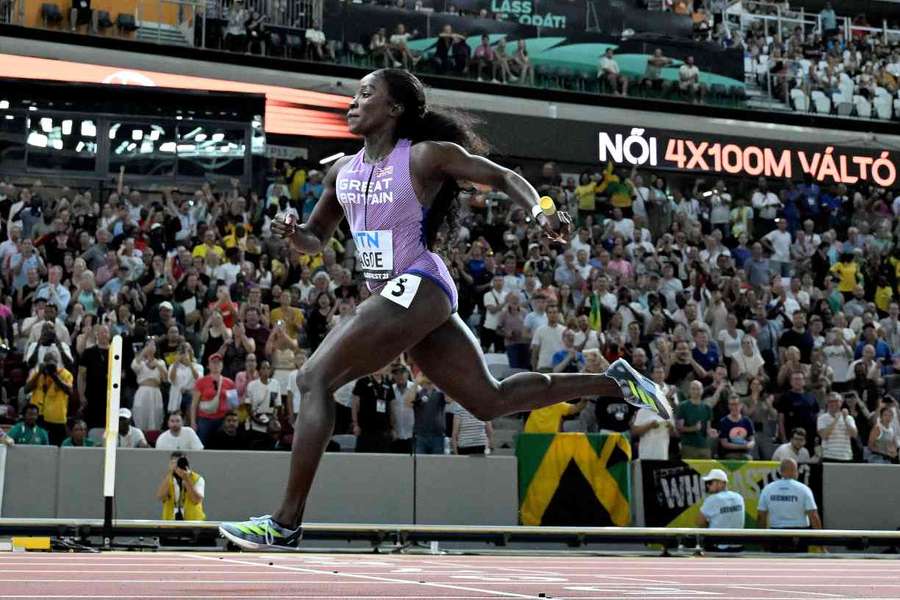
(183, 374)
(148, 403)
(836, 428)
(181, 491)
(51, 390)
(49, 344)
(263, 400)
(884, 438)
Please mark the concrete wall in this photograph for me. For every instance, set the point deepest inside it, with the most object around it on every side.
(349, 488)
(861, 496)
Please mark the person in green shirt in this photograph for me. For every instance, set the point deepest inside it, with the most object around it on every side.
(693, 418)
(27, 431)
(78, 437)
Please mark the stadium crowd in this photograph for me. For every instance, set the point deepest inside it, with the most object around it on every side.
(767, 311)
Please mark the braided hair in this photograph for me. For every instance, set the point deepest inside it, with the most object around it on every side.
(420, 122)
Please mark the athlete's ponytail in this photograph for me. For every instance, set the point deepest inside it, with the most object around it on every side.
(419, 123)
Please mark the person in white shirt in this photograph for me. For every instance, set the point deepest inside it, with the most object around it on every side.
(293, 390)
(547, 341)
(178, 436)
(780, 241)
(263, 398)
(609, 70)
(722, 508)
(494, 303)
(689, 80)
(654, 432)
(766, 204)
(183, 373)
(836, 429)
(787, 504)
(794, 449)
(129, 435)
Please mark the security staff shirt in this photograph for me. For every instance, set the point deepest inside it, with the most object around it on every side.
(787, 501)
(724, 510)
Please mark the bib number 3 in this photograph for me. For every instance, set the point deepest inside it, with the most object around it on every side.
(402, 289)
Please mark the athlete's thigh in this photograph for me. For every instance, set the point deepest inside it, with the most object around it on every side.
(451, 357)
(378, 333)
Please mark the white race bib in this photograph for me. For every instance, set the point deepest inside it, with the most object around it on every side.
(375, 250)
(402, 289)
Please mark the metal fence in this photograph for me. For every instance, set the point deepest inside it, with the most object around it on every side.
(300, 14)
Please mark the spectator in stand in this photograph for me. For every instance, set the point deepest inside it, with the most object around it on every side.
(693, 418)
(150, 372)
(502, 62)
(652, 78)
(429, 406)
(689, 80)
(884, 438)
(470, 436)
(521, 64)
(836, 429)
(51, 388)
(794, 449)
(230, 436)
(129, 435)
(178, 436)
(609, 72)
(547, 341)
(400, 49)
(93, 379)
(78, 436)
(372, 397)
(568, 359)
(214, 395)
(653, 434)
(511, 326)
(460, 55)
(797, 408)
(237, 16)
(316, 45)
(183, 374)
(494, 304)
(484, 58)
(181, 491)
(27, 431)
(379, 49)
(550, 418)
(442, 59)
(403, 416)
(736, 433)
(263, 399)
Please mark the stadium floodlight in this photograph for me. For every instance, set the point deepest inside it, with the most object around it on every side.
(46, 124)
(4, 104)
(57, 144)
(330, 159)
(200, 137)
(79, 147)
(67, 127)
(167, 147)
(218, 137)
(88, 129)
(137, 134)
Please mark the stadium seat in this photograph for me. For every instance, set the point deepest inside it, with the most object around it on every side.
(800, 100)
(883, 108)
(96, 435)
(103, 20)
(346, 442)
(844, 108)
(151, 437)
(126, 22)
(50, 14)
(897, 106)
(863, 107)
(821, 102)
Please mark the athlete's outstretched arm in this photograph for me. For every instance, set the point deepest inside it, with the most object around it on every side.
(448, 160)
(311, 237)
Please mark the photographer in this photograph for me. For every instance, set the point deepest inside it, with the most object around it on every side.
(181, 491)
(49, 344)
(51, 389)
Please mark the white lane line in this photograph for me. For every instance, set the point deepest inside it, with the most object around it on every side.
(374, 578)
(763, 589)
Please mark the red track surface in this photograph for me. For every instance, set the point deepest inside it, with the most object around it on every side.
(176, 576)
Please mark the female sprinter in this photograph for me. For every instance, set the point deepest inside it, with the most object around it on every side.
(396, 193)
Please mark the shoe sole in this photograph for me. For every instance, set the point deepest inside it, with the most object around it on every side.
(248, 545)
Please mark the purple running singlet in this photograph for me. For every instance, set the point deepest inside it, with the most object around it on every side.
(388, 222)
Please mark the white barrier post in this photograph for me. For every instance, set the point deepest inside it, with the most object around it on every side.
(111, 436)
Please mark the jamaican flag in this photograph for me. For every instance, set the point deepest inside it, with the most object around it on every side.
(574, 479)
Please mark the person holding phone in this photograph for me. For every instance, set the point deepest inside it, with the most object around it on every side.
(263, 399)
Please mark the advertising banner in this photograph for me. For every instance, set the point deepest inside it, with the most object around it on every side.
(674, 491)
(732, 155)
(574, 479)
